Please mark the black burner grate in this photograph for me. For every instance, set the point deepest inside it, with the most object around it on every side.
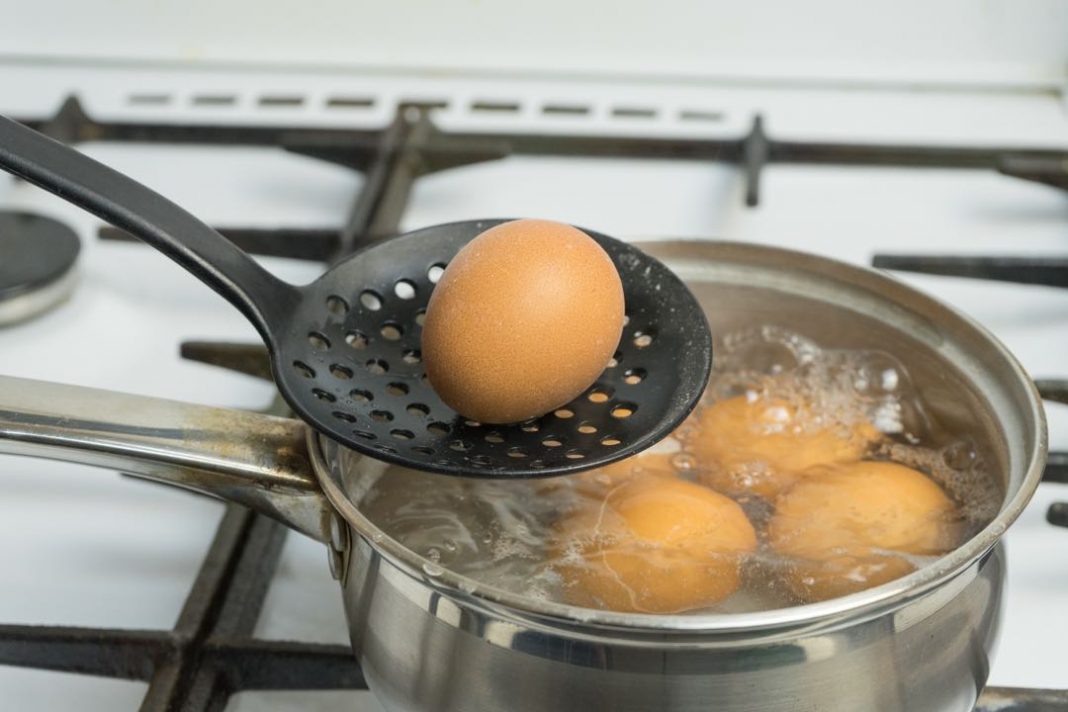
(210, 653)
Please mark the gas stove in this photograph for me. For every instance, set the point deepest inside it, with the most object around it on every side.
(166, 600)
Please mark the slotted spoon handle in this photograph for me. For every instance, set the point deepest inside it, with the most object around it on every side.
(142, 212)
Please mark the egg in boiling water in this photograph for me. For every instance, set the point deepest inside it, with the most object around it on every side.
(762, 445)
(654, 544)
(844, 528)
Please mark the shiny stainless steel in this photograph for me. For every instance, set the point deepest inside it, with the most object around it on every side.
(257, 460)
(432, 640)
(29, 304)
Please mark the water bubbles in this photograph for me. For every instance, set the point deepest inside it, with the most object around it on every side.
(886, 417)
(508, 534)
(959, 455)
(684, 462)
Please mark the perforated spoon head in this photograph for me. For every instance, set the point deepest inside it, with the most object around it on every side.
(350, 364)
(346, 348)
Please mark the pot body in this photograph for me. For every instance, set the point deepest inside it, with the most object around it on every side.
(424, 650)
(426, 641)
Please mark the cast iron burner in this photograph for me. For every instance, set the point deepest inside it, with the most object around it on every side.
(37, 258)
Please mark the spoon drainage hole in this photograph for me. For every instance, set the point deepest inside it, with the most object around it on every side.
(342, 372)
(370, 300)
(418, 409)
(336, 305)
(642, 339)
(356, 339)
(324, 395)
(600, 395)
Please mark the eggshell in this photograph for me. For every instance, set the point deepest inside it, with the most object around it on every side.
(523, 320)
(655, 544)
(759, 446)
(843, 527)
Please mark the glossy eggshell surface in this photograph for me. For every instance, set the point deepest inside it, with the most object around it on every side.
(844, 527)
(655, 545)
(760, 447)
(524, 319)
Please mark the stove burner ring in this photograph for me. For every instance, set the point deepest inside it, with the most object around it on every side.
(37, 259)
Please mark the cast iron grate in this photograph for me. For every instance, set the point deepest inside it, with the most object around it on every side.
(210, 653)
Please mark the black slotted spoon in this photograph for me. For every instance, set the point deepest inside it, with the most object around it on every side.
(345, 349)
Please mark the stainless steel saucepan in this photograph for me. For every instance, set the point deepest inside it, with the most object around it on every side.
(440, 642)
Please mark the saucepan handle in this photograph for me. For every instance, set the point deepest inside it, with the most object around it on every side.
(257, 460)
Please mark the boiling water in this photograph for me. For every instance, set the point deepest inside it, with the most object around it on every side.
(508, 534)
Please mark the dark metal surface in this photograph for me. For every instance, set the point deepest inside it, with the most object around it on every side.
(1053, 389)
(38, 256)
(359, 148)
(1057, 468)
(250, 359)
(1048, 171)
(1020, 699)
(210, 653)
(1049, 271)
(1057, 514)
(35, 251)
(755, 150)
(404, 153)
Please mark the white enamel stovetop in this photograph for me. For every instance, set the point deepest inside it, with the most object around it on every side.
(88, 548)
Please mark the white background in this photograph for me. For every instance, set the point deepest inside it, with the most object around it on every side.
(917, 42)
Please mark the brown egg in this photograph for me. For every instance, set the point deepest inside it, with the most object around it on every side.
(841, 525)
(524, 319)
(654, 545)
(759, 446)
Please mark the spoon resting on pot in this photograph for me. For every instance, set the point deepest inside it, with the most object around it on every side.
(368, 391)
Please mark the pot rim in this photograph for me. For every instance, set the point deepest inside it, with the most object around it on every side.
(893, 594)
